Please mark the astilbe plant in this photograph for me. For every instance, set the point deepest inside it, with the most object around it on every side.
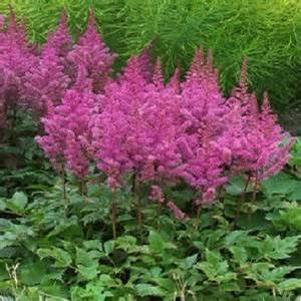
(136, 124)
(259, 146)
(16, 58)
(203, 113)
(67, 125)
(137, 130)
(67, 133)
(91, 53)
(47, 81)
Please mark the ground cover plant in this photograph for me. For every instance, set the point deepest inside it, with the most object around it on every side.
(156, 189)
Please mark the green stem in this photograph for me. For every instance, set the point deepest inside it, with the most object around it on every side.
(137, 201)
(242, 198)
(198, 214)
(114, 216)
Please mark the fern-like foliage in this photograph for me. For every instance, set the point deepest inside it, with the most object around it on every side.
(267, 32)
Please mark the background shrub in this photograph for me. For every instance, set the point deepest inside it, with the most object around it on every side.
(267, 32)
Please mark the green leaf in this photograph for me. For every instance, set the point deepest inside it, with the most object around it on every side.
(277, 248)
(93, 244)
(2, 204)
(88, 272)
(32, 273)
(62, 258)
(18, 202)
(190, 261)
(281, 184)
(289, 285)
(127, 243)
(215, 268)
(144, 290)
(240, 254)
(87, 263)
(295, 195)
(156, 242)
(237, 185)
(109, 247)
(289, 218)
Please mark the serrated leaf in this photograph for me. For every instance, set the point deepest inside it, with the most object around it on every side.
(88, 272)
(61, 257)
(144, 290)
(215, 268)
(32, 273)
(190, 261)
(289, 285)
(156, 242)
(240, 254)
(109, 247)
(126, 243)
(281, 184)
(93, 244)
(277, 248)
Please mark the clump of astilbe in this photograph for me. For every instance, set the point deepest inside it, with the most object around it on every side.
(46, 83)
(259, 146)
(16, 58)
(203, 116)
(91, 53)
(67, 131)
(136, 130)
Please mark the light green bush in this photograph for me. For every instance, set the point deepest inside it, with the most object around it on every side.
(268, 32)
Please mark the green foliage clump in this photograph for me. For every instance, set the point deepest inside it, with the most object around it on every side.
(59, 246)
(267, 32)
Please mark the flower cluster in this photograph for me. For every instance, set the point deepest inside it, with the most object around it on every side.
(137, 124)
(66, 141)
(16, 58)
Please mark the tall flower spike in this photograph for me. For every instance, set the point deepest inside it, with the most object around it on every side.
(67, 132)
(91, 53)
(46, 83)
(157, 75)
(174, 82)
(241, 97)
(145, 64)
(60, 40)
(196, 68)
(16, 31)
(203, 123)
(16, 59)
(2, 20)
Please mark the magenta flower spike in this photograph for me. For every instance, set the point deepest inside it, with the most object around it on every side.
(46, 82)
(67, 138)
(16, 59)
(203, 116)
(91, 53)
(158, 79)
(60, 40)
(259, 146)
